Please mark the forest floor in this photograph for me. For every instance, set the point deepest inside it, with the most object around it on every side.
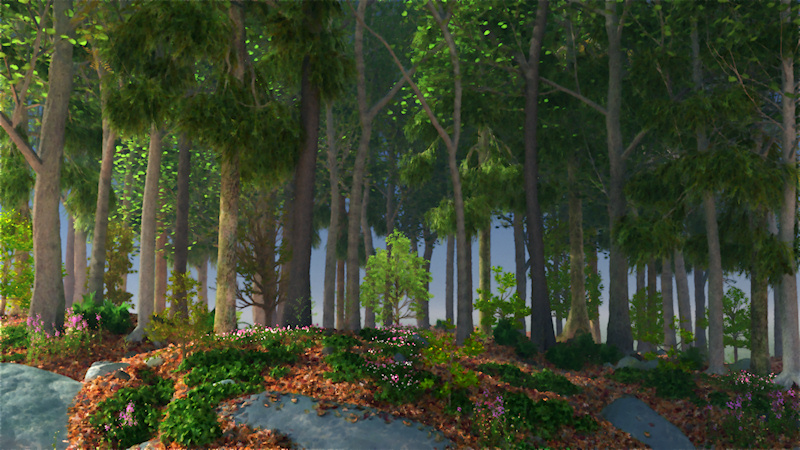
(306, 377)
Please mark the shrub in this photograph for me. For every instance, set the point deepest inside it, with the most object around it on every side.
(692, 358)
(506, 333)
(544, 417)
(541, 381)
(14, 336)
(340, 341)
(114, 318)
(346, 366)
(574, 354)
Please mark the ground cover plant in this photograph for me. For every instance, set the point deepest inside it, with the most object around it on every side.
(501, 399)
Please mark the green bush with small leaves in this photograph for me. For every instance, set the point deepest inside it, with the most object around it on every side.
(14, 336)
(345, 366)
(573, 355)
(506, 333)
(544, 417)
(340, 342)
(545, 380)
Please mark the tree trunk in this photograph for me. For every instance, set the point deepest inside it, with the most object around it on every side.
(759, 321)
(424, 320)
(225, 303)
(48, 289)
(594, 310)
(619, 323)
(298, 294)
(69, 258)
(700, 309)
(648, 318)
(519, 263)
(329, 294)
(788, 216)
(557, 295)
(578, 319)
(716, 346)
(202, 279)
(98, 264)
(541, 323)
(390, 216)
(670, 340)
(127, 207)
(79, 266)
(369, 314)
(684, 303)
(147, 240)
(776, 295)
(448, 282)
(485, 275)
(182, 222)
(161, 262)
(268, 276)
(340, 298)
(259, 304)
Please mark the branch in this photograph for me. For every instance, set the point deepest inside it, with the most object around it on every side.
(30, 156)
(580, 97)
(634, 143)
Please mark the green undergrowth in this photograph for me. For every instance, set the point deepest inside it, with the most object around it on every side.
(581, 350)
(542, 381)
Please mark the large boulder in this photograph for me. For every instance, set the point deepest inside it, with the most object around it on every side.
(633, 416)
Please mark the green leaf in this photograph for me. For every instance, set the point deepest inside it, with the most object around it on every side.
(485, 33)
(731, 78)
(2, 55)
(14, 66)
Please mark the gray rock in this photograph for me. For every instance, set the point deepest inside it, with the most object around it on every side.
(633, 416)
(225, 381)
(630, 361)
(101, 368)
(398, 357)
(154, 361)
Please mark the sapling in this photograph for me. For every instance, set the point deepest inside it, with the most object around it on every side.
(508, 305)
(395, 280)
(443, 350)
(175, 327)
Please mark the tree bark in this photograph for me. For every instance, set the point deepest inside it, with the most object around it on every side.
(98, 264)
(424, 320)
(649, 319)
(578, 318)
(69, 258)
(700, 309)
(79, 266)
(48, 289)
(182, 222)
(595, 323)
(329, 294)
(776, 294)
(788, 215)
(448, 282)
(759, 321)
(684, 303)
(202, 279)
(519, 262)
(670, 340)
(225, 303)
(298, 295)
(541, 323)
(127, 207)
(259, 305)
(369, 314)
(147, 240)
(485, 275)
(340, 298)
(161, 261)
(619, 323)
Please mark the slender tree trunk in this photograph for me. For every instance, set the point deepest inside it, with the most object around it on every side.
(648, 319)
(670, 340)
(594, 309)
(716, 346)
(225, 309)
(340, 298)
(485, 275)
(98, 264)
(448, 282)
(369, 314)
(69, 280)
(390, 216)
(329, 294)
(519, 262)
(202, 279)
(161, 262)
(259, 302)
(541, 323)
(776, 294)
(298, 295)
(788, 215)
(684, 303)
(79, 266)
(48, 289)
(700, 309)
(127, 207)
(578, 319)
(558, 297)
(619, 323)
(182, 222)
(424, 320)
(269, 270)
(147, 241)
(759, 321)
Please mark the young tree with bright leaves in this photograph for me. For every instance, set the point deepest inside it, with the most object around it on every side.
(736, 320)
(406, 276)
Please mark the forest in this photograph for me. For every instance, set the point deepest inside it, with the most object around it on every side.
(663, 133)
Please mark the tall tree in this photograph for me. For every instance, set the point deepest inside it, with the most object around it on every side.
(48, 289)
